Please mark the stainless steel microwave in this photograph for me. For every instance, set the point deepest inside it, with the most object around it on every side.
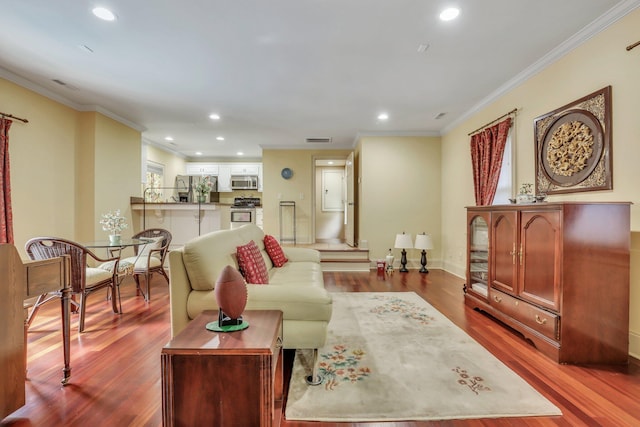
(244, 182)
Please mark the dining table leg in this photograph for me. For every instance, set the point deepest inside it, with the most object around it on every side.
(66, 333)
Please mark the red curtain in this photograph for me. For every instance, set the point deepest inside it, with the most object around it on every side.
(6, 215)
(487, 150)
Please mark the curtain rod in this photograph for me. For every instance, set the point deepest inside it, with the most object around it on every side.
(11, 116)
(493, 121)
(631, 46)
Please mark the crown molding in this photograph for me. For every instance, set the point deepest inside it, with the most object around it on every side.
(598, 25)
(362, 134)
(147, 141)
(27, 84)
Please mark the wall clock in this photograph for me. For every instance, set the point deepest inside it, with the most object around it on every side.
(286, 173)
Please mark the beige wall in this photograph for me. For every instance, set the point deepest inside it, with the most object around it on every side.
(67, 167)
(599, 62)
(399, 190)
(298, 188)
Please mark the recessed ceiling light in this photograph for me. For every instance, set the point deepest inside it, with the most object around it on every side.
(198, 153)
(240, 153)
(168, 138)
(330, 162)
(383, 116)
(220, 138)
(104, 13)
(214, 116)
(449, 14)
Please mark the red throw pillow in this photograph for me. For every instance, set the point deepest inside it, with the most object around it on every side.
(275, 251)
(251, 264)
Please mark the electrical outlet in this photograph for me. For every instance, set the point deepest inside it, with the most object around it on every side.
(279, 196)
(301, 196)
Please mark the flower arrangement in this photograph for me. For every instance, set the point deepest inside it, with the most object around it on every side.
(113, 222)
(204, 186)
(526, 188)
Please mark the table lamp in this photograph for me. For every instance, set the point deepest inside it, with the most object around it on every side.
(403, 241)
(423, 241)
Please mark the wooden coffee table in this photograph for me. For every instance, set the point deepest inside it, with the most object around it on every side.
(223, 379)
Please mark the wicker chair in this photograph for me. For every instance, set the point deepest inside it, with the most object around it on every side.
(149, 258)
(84, 279)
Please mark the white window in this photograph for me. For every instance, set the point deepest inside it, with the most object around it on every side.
(505, 183)
(154, 179)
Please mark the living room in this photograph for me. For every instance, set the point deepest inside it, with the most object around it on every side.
(68, 166)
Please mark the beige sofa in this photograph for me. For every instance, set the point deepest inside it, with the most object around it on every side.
(297, 288)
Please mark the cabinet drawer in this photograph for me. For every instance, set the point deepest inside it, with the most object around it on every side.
(545, 322)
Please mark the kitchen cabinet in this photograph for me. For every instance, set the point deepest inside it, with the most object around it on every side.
(244, 169)
(202, 169)
(558, 273)
(224, 171)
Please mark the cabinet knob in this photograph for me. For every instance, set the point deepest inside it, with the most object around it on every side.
(496, 298)
(540, 321)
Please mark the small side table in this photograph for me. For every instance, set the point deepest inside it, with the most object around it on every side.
(223, 379)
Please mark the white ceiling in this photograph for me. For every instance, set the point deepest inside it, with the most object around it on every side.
(280, 71)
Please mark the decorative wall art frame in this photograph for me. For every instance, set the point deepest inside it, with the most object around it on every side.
(573, 146)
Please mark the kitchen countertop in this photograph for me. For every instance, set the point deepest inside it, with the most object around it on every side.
(176, 206)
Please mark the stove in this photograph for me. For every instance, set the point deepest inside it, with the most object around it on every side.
(246, 202)
(243, 211)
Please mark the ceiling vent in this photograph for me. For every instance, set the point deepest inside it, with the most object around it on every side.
(439, 116)
(318, 140)
(61, 83)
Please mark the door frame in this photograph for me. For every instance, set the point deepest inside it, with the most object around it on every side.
(314, 160)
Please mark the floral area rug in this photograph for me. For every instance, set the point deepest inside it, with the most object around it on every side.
(393, 357)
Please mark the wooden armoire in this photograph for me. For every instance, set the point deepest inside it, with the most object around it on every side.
(558, 273)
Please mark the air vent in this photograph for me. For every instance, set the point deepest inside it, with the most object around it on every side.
(318, 140)
(61, 83)
(439, 115)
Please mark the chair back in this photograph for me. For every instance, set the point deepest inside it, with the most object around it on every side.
(51, 247)
(154, 233)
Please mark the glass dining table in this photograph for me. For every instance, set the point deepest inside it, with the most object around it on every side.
(115, 249)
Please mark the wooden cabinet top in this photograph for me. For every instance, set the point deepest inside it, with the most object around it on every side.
(542, 205)
(265, 327)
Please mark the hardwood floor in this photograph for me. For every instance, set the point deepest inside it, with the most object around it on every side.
(115, 377)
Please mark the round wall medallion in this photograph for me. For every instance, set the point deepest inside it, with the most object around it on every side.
(572, 148)
(286, 173)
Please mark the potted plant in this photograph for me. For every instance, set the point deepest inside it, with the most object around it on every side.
(114, 223)
(203, 188)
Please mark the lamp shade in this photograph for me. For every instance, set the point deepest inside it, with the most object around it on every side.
(423, 241)
(403, 241)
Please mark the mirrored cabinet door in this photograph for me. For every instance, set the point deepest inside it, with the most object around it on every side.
(478, 255)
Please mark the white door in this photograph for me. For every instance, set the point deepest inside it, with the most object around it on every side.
(349, 211)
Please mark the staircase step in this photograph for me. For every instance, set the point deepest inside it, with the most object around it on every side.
(355, 254)
(345, 265)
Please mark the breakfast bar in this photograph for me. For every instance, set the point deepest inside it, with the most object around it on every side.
(184, 220)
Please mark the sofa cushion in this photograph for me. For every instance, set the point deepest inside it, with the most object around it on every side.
(154, 243)
(251, 263)
(206, 256)
(275, 251)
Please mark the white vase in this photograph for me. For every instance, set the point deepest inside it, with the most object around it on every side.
(114, 239)
(390, 259)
